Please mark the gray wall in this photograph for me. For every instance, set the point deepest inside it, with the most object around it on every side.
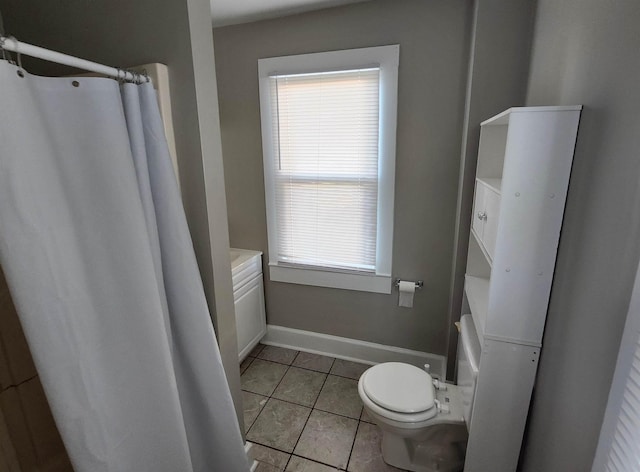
(433, 37)
(178, 34)
(495, 82)
(586, 52)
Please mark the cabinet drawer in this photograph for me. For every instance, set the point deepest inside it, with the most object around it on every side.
(478, 208)
(490, 230)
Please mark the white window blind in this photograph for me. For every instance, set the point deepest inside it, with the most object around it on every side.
(624, 454)
(329, 142)
(619, 445)
(325, 134)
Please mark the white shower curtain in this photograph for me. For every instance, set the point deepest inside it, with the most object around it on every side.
(98, 258)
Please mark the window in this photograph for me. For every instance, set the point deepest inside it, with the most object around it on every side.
(619, 444)
(328, 133)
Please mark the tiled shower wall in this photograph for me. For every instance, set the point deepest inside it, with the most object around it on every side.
(29, 439)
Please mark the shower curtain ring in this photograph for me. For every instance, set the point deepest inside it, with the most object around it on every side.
(4, 53)
(18, 55)
(123, 80)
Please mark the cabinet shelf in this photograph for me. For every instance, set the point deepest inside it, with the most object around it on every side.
(493, 183)
(477, 290)
(482, 248)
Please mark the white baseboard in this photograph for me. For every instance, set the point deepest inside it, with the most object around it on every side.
(351, 349)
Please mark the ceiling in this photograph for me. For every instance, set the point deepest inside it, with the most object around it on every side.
(233, 12)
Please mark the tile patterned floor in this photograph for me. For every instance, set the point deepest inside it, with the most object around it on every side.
(302, 413)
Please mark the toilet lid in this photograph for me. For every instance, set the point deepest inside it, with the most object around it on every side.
(399, 387)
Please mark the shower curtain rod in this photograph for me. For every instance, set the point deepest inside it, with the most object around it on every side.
(13, 45)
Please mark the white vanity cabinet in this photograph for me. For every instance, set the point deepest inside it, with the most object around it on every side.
(248, 296)
(522, 178)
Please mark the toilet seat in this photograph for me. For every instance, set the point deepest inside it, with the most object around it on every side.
(399, 387)
(398, 392)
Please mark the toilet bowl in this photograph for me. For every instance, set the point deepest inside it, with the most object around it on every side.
(423, 421)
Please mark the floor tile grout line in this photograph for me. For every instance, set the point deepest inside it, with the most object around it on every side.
(308, 407)
(270, 360)
(317, 409)
(300, 404)
(357, 425)
(310, 370)
(314, 407)
(318, 396)
(303, 368)
(306, 368)
(268, 398)
(338, 414)
(256, 418)
(317, 462)
(291, 402)
(283, 376)
(334, 359)
(321, 387)
(307, 420)
(322, 372)
(279, 381)
(251, 359)
(353, 445)
(325, 381)
(272, 447)
(291, 454)
(253, 393)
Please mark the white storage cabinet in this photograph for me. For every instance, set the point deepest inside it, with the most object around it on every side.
(248, 296)
(522, 177)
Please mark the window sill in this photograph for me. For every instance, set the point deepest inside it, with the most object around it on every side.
(321, 278)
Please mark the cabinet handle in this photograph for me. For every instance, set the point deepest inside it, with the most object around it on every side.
(482, 215)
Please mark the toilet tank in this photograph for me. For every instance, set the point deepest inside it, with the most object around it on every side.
(468, 360)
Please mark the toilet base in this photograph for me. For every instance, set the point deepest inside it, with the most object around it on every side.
(441, 449)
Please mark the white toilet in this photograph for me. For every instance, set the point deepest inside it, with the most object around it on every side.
(423, 421)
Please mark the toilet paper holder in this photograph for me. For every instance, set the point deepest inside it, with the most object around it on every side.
(419, 284)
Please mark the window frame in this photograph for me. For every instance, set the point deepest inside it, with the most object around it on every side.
(387, 59)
